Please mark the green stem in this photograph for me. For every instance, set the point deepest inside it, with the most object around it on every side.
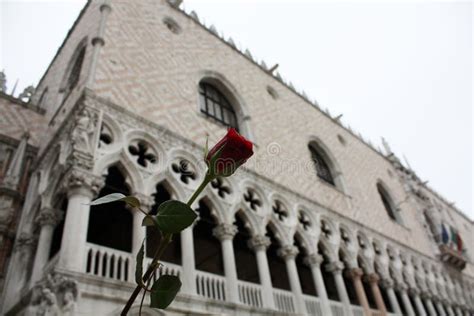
(201, 187)
(166, 239)
(161, 248)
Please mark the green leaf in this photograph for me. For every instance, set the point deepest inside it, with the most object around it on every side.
(109, 198)
(132, 201)
(164, 291)
(174, 216)
(149, 220)
(139, 268)
(113, 197)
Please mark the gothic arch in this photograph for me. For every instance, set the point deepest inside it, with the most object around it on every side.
(250, 220)
(231, 93)
(318, 145)
(66, 85)
(388, 202)
(132, 175)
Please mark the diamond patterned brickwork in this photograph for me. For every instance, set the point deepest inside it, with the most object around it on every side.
(17, 118)
(155, 73)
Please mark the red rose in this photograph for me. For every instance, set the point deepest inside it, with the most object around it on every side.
(228, 154)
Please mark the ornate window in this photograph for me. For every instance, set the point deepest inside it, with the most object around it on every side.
(388, 204)
(75, 73)
(43, 96)
(320, 162)
(215, 105)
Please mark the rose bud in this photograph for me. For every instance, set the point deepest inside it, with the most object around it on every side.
(228, 154)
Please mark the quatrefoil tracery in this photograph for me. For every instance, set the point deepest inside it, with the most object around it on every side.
(252, 199)
(304, 221)
(280, 211)
(221, 188)
(325, 229)
(183, 169)
(143, 153)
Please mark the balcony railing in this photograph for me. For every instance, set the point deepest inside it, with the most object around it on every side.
(109, 263)
(210, 285)
(313, 306)
(119, 265)
(337, 308)
(250, 293)
(357, 311)
(284, 300)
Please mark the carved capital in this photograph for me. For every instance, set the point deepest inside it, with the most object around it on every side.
(335, 267)
(145, 200)
(81, 179)
(314, 260)
(387, 283)
(49, 216)
(414, 291)
(225, 231)
(373, 278)
(288, 252)
(356, 273)
(259, 242)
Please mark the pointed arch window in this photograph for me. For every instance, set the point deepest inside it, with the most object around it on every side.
(207, 248)
(276, 263)
(215, 104)
(247, 268)
(111, 225)
(172, 253)
(321, 164)
(388, 204)
(75, 73)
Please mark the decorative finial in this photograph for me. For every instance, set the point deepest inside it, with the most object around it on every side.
(213, 29)
(3, 82)
(25, 96)
(271, 70)
(386, 146)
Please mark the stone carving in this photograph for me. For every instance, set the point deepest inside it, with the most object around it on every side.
(77, 178)
(225, 231)
(49, 216)
(288, 252)
(26, 95)
(83, 131)
(259, 242)
(55, 296)
(3, 82)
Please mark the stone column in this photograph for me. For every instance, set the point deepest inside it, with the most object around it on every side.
(336, 269)
(82, 188)
(440, 307)
(429, 305)
(225, 233)
(388, 285)
(374, 286)
(406, 302)
(259, 244)
(288, 253)
(419, 305)
(314, 262)
(47, 220)
(356, 275)
(188, 263)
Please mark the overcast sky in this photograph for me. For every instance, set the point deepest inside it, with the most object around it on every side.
(399, 70)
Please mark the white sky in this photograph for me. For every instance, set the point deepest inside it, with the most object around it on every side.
(399, 70)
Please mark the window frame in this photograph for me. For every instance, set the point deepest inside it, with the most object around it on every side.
(322, 166)
(212, 96)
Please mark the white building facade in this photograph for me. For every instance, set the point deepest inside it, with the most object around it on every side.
(318, 222)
